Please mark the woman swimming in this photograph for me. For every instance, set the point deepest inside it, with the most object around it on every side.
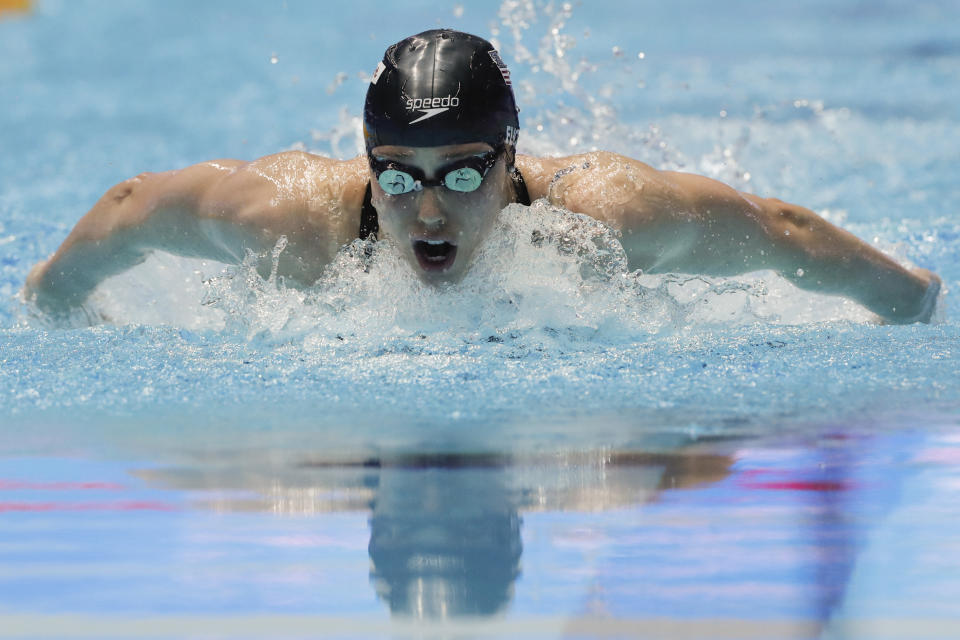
(441, 126)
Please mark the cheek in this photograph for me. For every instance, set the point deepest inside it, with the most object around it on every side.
(474, 217)
(393, 213)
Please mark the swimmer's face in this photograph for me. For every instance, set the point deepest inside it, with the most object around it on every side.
(438, 228)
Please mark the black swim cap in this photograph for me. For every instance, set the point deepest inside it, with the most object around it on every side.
(437, 88)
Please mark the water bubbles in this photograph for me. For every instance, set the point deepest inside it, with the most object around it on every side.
(641, 55)
(786, 232)
(338, 81)
(274, 59)
(544, 275)
(800, 273)
(458, 11)
(617, 52)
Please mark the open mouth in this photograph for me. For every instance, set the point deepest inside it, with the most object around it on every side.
(434, 255)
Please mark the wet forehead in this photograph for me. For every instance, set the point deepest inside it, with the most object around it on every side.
(430, 157)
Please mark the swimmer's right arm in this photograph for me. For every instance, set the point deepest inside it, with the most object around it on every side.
(140, 214)
(214, 210)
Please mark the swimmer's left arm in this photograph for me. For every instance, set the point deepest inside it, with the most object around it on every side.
(679, 222)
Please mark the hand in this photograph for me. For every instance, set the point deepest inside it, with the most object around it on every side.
(34, 280)
(929, 302)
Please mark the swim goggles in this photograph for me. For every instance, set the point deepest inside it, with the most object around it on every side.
(463, 175)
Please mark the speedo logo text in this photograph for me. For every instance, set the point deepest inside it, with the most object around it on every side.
(432, 103)
(431, 106)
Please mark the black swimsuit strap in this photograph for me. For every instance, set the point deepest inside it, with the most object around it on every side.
(370, 223)
(520, 187)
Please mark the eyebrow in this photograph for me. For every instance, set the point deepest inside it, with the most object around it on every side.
(471, 150)
(447, 160)
(394, 154)
(452, 155)
(459, 155)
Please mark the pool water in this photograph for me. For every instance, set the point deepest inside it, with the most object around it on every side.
(557, 447)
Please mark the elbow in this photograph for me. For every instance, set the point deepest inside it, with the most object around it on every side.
(791, 229)
(126, 190)
(792, 217)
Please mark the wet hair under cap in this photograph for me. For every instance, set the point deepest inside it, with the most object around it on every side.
(441, 87)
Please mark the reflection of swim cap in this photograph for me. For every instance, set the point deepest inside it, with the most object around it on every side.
(437, 88)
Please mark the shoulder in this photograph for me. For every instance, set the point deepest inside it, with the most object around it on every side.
(290, 189)
(296, 177)
(597, 183)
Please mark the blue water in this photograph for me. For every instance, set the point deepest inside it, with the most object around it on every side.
(556, 448)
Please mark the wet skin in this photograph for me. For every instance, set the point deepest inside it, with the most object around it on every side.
(670, 223)
(437, 229)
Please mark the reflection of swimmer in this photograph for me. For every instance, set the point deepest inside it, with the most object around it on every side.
(445, 530)
(444, 542)
(441, 126)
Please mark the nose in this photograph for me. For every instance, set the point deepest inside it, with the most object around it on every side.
(430, 213)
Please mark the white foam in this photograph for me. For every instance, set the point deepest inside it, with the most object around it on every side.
(561, 275)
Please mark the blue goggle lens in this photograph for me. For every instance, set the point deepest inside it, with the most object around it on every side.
(396, 182)
(465, 180)
(465, 176)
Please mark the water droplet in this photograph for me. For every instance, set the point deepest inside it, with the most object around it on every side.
(458, 11)
(617, 52)
(723, 113)
(274, 59)
(641, 55)
(799, 273)
(786, 232)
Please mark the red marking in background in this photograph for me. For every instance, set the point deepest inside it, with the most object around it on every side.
(14, 485)
(798, 485)
(788, 483)
(38, 507)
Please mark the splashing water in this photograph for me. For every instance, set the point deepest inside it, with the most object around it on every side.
(549, 318)
(544, 273)
(542, 270)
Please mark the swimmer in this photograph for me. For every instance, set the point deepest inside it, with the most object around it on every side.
(440, 126)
